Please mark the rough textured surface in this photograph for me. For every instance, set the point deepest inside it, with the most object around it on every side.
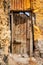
(20, 4)
(21, 33)
(19, 60)
(4, 26)
(38, 9)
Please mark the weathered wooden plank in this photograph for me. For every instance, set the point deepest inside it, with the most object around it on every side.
(20, 4)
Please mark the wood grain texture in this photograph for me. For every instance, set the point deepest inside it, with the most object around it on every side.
(20, 4)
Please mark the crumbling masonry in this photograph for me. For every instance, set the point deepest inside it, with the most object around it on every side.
(4, 25)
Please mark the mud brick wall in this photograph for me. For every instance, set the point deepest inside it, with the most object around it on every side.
(4, 26)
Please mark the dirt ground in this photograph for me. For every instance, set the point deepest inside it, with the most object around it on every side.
(18, 60)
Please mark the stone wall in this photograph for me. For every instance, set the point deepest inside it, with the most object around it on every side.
(4, 26)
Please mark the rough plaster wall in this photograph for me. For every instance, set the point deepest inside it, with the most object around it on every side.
(4, 26)
(38, 6)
